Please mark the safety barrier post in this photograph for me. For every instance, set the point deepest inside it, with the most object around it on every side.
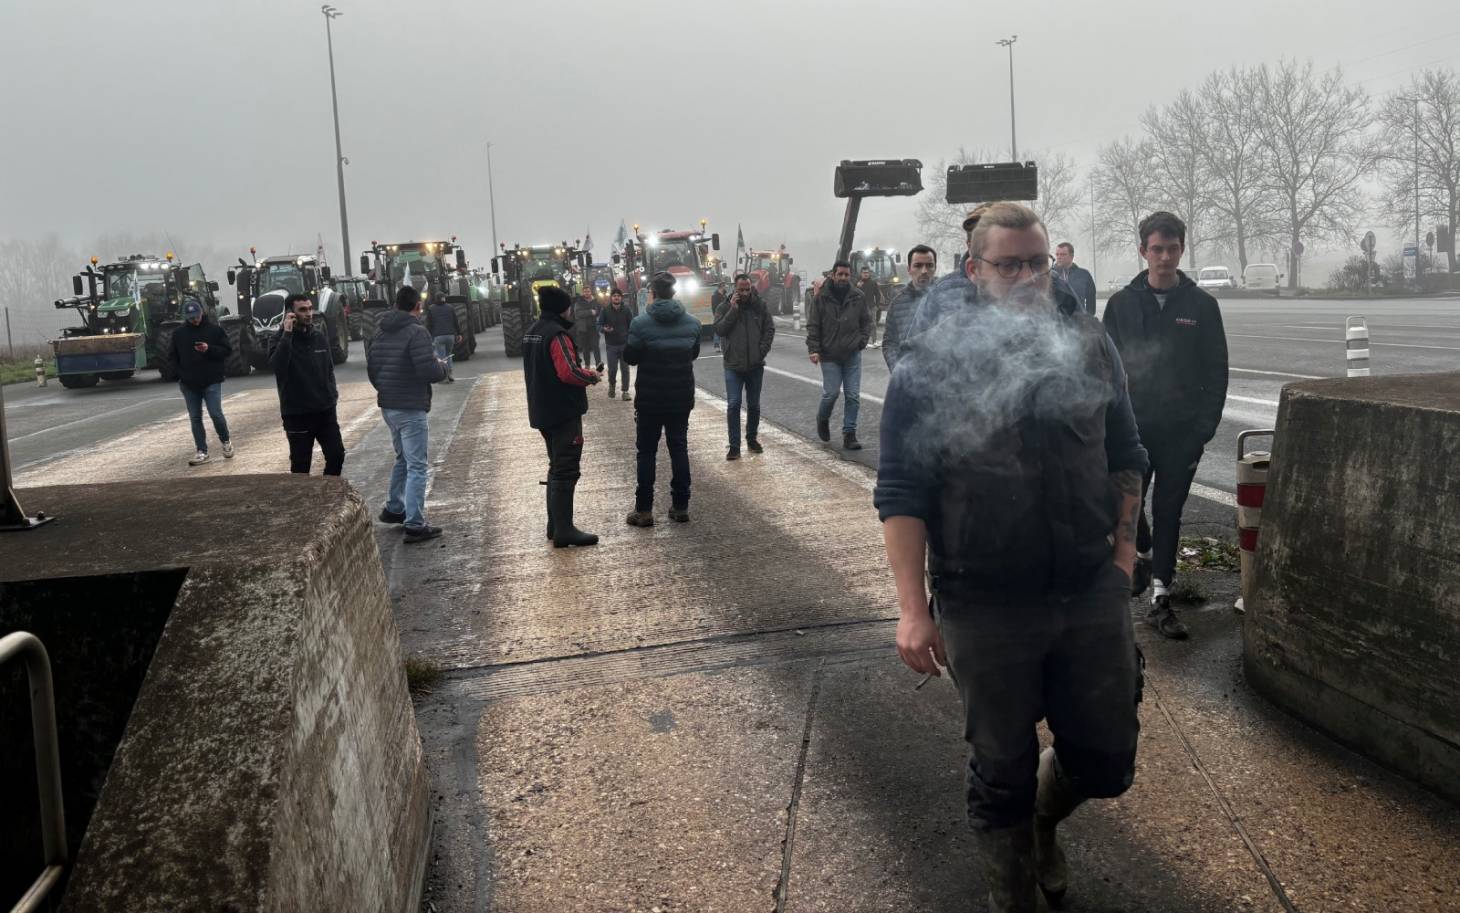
(1251, 491)
(1356, 335)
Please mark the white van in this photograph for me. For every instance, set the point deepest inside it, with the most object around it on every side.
(1216, 277)
(1261, 277)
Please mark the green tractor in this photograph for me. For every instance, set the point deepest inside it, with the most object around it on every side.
(354, 290)
(521, 271)
(129, 310)
(263, 288)
(434, 268)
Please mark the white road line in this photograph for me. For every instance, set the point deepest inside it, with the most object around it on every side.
(1391, 345)
(92, 418)
(1252, 399)
(816, 382)
(1214, 494)
(1277, 374)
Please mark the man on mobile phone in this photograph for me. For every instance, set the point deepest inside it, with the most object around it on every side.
(304, 373)
(199, 348)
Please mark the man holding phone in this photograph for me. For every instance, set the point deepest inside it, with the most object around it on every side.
(747, 331)
(304, 372)
(199, 348)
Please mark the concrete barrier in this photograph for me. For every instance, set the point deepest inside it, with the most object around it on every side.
(270, 760)
(1354, 625)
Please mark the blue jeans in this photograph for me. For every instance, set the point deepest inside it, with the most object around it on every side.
(212, 397)
(444, 347)
(748, 383)
(837, 376)
(408, 477)
(617, 365)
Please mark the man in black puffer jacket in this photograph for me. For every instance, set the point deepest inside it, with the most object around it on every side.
(199, 347)
(664, 343)
(304, 373)
(402, 365)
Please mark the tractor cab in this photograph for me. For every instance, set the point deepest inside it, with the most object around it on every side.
(521, 271)
(265, 286)
(689, 257)
(771, 276)
(884, 264)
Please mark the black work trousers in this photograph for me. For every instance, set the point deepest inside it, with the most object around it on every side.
(1174, 458)
(565, 450)
(675, 428)
(1069, 659)
(307, 429)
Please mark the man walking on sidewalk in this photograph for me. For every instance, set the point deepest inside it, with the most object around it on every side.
(445, 334)
(304, 373)
(872, 292)
(664, 344)
(922, 265)
(557, 398)
(1013, 479)
(199, 347)
(585, 325)
(838, 329)
(1076, 278)
(402, 366)
(1170, 334)
(613, 323)
(747, 330)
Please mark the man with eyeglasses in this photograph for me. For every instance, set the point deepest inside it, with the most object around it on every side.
(1170, 333)
(1010, 473)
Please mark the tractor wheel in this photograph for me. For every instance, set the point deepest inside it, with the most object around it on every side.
(78, 381)
(117, 375)
(166, 360)
(463, 349)
(355, 323)
(512, 330)
(339, 341)
(240, 337)
(370, 325)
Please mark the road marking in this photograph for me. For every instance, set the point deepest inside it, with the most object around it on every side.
(1252, 399)
(1277, 374)
(1391, 345)
(92, 418)
(815, 382)
(1214, 494)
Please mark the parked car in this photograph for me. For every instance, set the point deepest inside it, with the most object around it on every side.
(1262, 277)
(1119, 282)
(1216, 277)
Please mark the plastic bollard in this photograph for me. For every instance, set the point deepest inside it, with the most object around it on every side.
(1356, 334)
(1251, 492)
(40, 371)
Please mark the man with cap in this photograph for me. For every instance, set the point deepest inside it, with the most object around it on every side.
(663, 344)
(199, 348)
(557, 398)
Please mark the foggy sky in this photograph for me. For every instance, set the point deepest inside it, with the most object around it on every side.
(211, 120)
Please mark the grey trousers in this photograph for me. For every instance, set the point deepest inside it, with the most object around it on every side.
(1069, 659)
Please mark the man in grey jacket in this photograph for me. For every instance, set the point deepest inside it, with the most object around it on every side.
(746, 331)
(402, 365)
(837, 331)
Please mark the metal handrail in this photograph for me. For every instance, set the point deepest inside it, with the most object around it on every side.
(47, 762)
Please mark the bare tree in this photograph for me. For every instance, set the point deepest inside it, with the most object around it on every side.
(1427, 111)
(1122, 183)
(35, 273)
(939, 222)
(1181, 181)
(1232, 154)
(1060, 195)
(1312, 131)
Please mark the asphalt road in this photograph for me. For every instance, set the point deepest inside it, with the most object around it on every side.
(1271, 343)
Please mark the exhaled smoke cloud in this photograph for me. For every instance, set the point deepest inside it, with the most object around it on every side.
(985, 369)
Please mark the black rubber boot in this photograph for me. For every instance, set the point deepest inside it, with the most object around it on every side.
(550, 511)
(1007, 855)
(560, 497)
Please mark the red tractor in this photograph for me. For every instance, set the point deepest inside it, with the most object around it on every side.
(771, 276)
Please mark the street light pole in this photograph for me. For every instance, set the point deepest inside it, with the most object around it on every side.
(492, 191)
(1013, 136)
(331, 13)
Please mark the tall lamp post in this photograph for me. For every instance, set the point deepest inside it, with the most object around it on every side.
(1013, 137)
(331, 13)
(492, 192)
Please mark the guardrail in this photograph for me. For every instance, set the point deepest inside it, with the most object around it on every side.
(47, 763)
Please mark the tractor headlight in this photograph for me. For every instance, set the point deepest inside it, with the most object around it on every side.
(690, 286)
(124, 313)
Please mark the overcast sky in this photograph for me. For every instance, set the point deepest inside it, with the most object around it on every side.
(211, 120)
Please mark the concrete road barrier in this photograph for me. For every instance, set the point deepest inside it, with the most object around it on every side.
(1354, 623)
(227, 662)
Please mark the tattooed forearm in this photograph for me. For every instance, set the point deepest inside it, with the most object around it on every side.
(1128, 485)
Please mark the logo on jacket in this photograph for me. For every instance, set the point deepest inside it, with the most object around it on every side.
(1185, 322)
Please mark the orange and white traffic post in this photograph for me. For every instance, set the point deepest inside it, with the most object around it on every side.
(1251, 491)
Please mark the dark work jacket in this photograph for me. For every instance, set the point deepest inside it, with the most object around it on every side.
(1081, 284)
(304, 371)
(402, 363)
(613, 323)
(200, 370)
(746, 333)
(899, 321)
(664, 344)
(1176, 358)
(441, 320)
(872, 292)
(550, 402)
(838, 330)
(1023, 503)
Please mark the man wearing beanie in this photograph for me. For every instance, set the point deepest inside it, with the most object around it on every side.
(557, 398)
(199, 348)
(663, 344)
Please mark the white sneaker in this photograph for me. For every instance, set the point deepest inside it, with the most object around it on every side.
(227, 450)
(199, 458)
